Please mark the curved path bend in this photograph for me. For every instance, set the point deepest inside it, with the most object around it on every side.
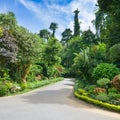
(52, 102)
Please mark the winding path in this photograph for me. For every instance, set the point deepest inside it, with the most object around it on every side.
(52, 102)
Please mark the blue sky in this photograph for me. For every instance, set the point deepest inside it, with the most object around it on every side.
(38, 14)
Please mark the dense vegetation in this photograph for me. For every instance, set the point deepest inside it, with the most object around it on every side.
(93, 58)
(26, 57)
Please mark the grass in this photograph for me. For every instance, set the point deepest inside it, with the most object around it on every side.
(36, 84)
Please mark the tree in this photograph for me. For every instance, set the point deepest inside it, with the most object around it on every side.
(8, 48)
(66, 35)
(88, 38)
(110, 10)
(50, 55)
(29, 49)
(8, 21)
(50, 52)
(74, 46)
(45, 34)
(53, 27)
(76, 23)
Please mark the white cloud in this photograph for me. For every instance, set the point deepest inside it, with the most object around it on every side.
(50, 11)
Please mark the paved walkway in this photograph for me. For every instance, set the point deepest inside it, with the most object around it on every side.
(53, 102)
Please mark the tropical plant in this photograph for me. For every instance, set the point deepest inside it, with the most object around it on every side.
(53, 27)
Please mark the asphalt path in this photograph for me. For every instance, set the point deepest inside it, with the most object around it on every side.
(52, 102)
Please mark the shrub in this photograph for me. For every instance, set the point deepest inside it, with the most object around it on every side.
(102, 97)
(103, 82)
(113, 90)
(79, 84)
(97, 102)
(7, 83)
(115, 102)
(116, 82)
(99, 90)
(112, 95)
(3, 90)
(105, 70)
(90, 88)
(82, 92)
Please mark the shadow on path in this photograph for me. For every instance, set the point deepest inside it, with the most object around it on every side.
(62, 96)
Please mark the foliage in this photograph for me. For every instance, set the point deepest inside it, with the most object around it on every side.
(102, 97)
(45, 34)
(103, 82)
(110, 17)
(24, 86)
(105, 70)
(90, 88)
(36, 84)
(35, 70)
(76, 23)
(53, 27)
(113, 96)
(3, 90)
(88, 38)
(4, 74)
(66, 35)
(8, 48)
(1, 32)
(67, 54)
(116, 82)
(98, 53)
(83, 64)
(79, 84)
(8, 21)
(28, 52)
(115, 54)
(50, 54)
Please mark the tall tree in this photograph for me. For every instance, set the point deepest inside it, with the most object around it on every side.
(53, 27)
(111, 16)
(66, 35)
(76, 23)
(45, 34)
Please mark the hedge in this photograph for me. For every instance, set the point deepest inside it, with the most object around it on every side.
(98, 103)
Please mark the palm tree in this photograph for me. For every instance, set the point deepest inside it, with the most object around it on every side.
(53, 27)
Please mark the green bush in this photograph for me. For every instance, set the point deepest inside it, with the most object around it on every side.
(3, 90)
(102, 97)
(105, 70)
(103, 82)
